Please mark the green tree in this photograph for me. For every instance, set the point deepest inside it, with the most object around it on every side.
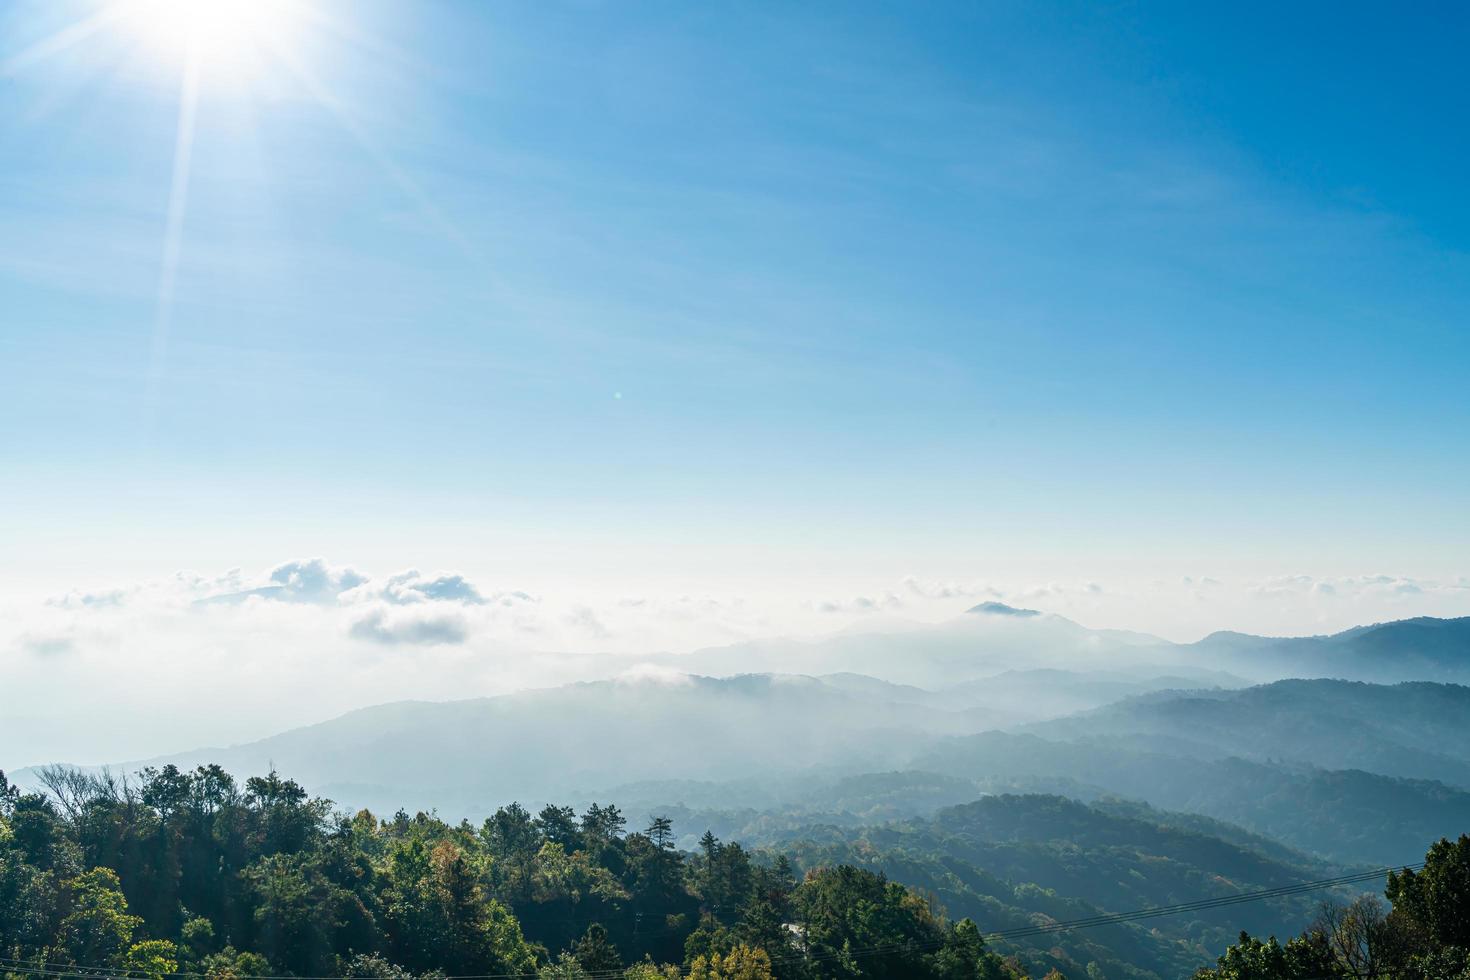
(8, 795)
(565, 967)
(296, 913)
(366, 966)
(596, 952)
(1436, 899)
(1304, 958)
(97, 931)
(231, 964)
(558, 825)
(197, 940)
(856, 922)
(961, 953)
(155, 958)
(740, 963)
(439, 915)
(660, 831)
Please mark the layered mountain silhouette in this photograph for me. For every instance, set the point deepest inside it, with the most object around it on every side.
(1348, 769)
(993, 637)
(1424, 648)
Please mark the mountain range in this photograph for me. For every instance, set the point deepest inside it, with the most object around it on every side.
(1347, 769)
(992, 638)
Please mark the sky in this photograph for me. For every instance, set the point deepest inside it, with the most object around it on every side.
(696, 322)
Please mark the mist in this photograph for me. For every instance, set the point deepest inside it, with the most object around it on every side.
(138, 670)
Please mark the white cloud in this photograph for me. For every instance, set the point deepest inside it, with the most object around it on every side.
(646, 673)
(948, 590)
(89, 600)
(380, 626)
(861, 604)
(144, 667)
(313, 580)
(302, 580)
(584, 619)
(52, 645)
(1379, 587)
(410, 586)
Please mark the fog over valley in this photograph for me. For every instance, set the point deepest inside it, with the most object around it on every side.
(866, 726)
(162, 664)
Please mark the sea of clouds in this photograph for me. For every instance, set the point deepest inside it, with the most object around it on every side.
(193, 659)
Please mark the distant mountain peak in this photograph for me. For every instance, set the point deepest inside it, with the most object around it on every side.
(1001, 609)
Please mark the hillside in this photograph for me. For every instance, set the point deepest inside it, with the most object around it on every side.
(1414, 730)
(261, 879)
(575, 741)
(1006, 859)
(467, 757)
(987, 640)
(992, 639)
(1347, 815)
(1351, 771)
(1424, 648)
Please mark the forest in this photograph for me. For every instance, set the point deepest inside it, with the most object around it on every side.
(194, 874)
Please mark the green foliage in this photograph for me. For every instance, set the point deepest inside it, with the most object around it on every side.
(596, 953)
(188, 872)
(1437, 899)
(197, 939)
(1009, 861)
(649, 970)
(1348, 815)
(1251, 959)
(155, 958)
(853, 922)
(565, 967)
(97, 929)
(740, 963)
(229, 964)
(373, 967)
(1426, 936)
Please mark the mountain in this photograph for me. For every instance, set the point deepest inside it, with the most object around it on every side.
(1417, 730)
(1047, 693)
(1000, 609)
(467, 757)
(576, 741)
(988, 639)
(1354, 771)
(1345, 814)
(992, 638)
(280, 875)
(1012, 860)
(1015, 697)
(1424, 648)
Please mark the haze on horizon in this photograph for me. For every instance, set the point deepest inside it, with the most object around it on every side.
(436, 349)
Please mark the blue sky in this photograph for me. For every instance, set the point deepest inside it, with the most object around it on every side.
(758, 299)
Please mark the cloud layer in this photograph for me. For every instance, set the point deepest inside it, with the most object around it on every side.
(133, 669)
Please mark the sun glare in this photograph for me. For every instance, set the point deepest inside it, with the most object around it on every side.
(220, 34)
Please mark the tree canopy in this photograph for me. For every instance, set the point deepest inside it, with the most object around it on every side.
(192, 873)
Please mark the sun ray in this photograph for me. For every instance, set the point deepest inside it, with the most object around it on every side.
(222, 38)
(366, 42)
(178, 199)
(54, 44)
(328, 100)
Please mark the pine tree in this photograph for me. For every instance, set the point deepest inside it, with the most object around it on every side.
(596, 953)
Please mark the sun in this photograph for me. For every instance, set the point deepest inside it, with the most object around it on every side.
(222, 36)
(260, 51)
